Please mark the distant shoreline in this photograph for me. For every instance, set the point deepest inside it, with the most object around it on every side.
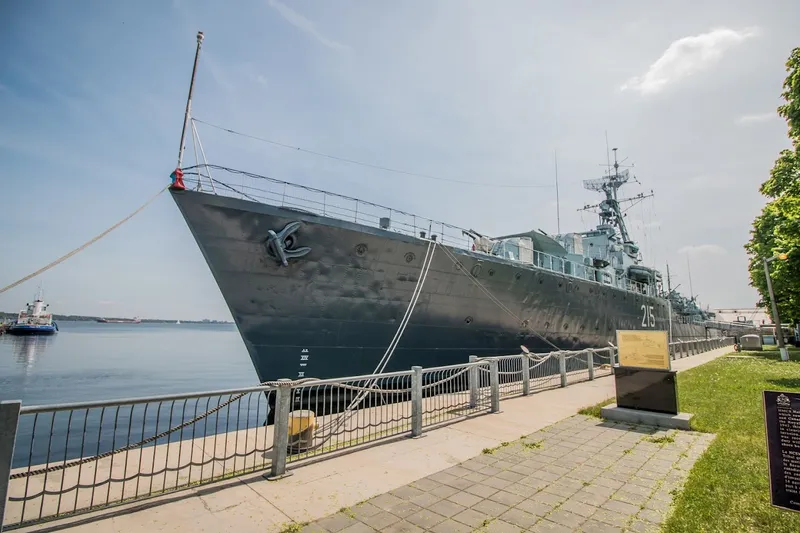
(81, 318)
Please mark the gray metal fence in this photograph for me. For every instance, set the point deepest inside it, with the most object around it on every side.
(61, 460)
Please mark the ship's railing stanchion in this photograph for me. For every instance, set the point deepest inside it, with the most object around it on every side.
(526, 375)
(416, 401)
(494, 376)
(474, 383)
(590, 364)
(9, 416)
(280, 437)
(562, 368)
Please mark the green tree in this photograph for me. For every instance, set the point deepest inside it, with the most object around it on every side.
(777, 228)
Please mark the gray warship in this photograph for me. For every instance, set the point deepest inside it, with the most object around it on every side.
(320, 284)
(324, 285)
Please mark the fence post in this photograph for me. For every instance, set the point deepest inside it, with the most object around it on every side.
(494, 373)
(9, 415)
(526, 375)
(590, 363)
(474, 384)
(611, 356)
(684, 349)
(280, 430)
(416, 401)
(562, 368)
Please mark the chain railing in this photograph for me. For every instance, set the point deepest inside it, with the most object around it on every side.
(61, 460)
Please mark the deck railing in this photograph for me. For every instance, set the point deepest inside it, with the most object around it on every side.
(61, 460)
(318, 202)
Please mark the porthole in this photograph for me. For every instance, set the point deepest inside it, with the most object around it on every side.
(518, 276)
(409, 257)
(361, 249)
(468, 320)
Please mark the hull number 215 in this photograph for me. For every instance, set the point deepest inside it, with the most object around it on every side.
(648, 317)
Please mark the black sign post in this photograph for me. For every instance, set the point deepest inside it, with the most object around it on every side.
(782, 416)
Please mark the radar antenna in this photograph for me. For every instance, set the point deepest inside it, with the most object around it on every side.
(609, 209)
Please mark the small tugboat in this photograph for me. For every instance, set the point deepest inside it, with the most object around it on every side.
(34, 320)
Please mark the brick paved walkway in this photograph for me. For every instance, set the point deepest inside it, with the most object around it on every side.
(581, 474)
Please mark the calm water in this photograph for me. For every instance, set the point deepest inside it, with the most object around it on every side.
(89, 361)
(92, 361)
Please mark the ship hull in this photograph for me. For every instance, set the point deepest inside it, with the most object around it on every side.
(27, 330)
(334, 311)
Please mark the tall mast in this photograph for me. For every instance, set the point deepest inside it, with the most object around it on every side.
(189, 99)
(558, 204)
(669, 281)
(689, 268)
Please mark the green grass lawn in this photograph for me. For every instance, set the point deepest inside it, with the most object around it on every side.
(728, 488)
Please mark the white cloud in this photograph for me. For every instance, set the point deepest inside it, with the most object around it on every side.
(302, 23)
(703, 249)
(687, 56)
(755, 118)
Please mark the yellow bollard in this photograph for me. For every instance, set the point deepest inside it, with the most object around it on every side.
(301, 430)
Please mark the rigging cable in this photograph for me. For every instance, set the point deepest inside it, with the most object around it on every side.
(83, 246)
(368, 165)
(492, 297)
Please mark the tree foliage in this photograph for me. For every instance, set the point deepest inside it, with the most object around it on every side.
(777, 228)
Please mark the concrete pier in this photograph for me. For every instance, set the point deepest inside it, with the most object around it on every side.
(318, 489)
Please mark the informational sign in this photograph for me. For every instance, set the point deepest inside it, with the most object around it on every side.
(782, 416)
(643, 349)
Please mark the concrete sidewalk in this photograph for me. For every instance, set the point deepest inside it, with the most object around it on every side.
(251, 503)
(580, 474)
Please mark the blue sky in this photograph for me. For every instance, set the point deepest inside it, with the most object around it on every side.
(92, 96)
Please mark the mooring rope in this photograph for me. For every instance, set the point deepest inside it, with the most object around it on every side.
(372, 384)
(84, 460)
(83, 246)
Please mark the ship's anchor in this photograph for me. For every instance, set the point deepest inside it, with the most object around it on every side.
(281, 244)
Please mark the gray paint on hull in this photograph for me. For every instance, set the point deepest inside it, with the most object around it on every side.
(333, 312)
